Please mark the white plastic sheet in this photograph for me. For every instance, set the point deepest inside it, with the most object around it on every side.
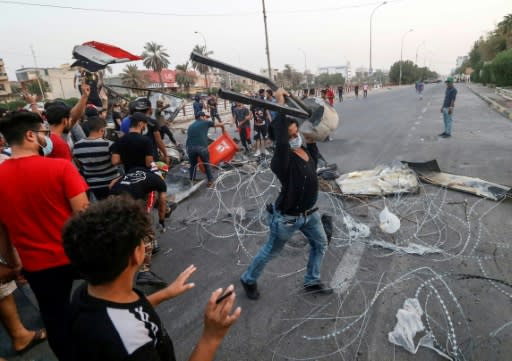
(408, 325)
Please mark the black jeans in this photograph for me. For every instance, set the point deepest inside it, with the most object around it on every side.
(164, 130)
(52, 288)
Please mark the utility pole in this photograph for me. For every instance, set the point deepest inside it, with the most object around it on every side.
(266, 40)
(37, 71)
(370, 69)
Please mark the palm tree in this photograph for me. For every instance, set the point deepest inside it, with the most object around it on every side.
(201, 67)
(183, 76)
(156, 58)
(132, 77)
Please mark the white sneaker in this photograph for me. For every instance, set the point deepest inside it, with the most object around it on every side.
(266, 152)
(257, 153)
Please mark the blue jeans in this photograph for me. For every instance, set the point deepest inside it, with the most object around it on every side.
(282, 228)
(447, 121)
(194, 152)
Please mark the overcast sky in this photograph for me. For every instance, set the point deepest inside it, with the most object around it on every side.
(329, 32)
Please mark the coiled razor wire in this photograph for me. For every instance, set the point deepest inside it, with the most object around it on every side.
(235, 209)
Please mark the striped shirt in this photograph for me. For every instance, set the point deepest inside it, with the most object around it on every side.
(95, 161)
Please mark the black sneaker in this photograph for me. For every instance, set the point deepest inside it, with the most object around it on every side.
(442, 134)
(149, 278)
(318, 288)
(446, 136)
(251, 290)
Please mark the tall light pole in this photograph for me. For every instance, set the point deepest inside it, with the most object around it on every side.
(401, 55)
(305, 67)
(417, 49)
(370, 69)
(266, 40)
(205, 53)
(204, 39)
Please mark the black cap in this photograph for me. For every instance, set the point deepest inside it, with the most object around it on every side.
(141, 117)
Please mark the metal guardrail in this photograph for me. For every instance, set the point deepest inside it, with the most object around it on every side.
(504, 92)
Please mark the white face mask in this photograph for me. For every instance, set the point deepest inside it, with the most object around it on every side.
(295, 142)
(145, 131)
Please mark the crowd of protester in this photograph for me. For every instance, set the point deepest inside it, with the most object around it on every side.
(76, 207)
(95, 193)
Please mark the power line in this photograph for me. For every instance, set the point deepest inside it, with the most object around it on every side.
(148, 13)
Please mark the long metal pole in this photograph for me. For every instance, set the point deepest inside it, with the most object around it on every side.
(417, 49)
(266, 40)
(37, 72)
(370, 69)
(401, 56)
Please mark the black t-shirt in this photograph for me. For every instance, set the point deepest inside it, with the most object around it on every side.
(133, 149)
(138, 183)
(103, 330)
(117, 118)
(299, 182)
(152, 128)
(212, 103)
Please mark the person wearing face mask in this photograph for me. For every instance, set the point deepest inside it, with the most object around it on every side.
(40, 194)
(134, 149)
(294, 164)
(62, 119)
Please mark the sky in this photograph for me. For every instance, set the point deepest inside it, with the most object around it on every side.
(301, 32)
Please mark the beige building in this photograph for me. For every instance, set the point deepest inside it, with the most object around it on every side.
(60, 80)
(5, 87)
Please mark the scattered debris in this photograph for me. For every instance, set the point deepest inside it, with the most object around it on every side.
(389, 222)
(382, 180)
(408, 325)
(411, 248)
(430, 172)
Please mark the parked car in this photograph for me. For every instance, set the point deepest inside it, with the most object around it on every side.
(40, 107)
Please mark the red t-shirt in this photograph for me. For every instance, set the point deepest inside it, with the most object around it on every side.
(34, 198)
(60, 148)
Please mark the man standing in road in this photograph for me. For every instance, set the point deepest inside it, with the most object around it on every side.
(294, 209)
(447, 108)
(340, 93)
(197, 145)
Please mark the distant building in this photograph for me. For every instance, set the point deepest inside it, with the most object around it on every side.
(61, 80)
(345, 70)
(264, 71)
(5, 86)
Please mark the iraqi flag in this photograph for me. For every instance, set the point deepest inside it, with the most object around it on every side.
(95, 56)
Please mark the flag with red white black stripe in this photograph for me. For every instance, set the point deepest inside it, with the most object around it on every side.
(94, 56)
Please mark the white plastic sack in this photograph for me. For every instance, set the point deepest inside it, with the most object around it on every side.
(389, 222)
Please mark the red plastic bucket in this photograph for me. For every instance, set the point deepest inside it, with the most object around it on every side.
(221, 150)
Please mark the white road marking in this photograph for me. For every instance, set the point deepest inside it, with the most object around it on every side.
(347, 268)
(424, 110)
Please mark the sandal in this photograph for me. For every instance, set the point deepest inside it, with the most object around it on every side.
(39, 336)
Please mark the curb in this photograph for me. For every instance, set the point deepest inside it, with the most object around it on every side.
(507, 113)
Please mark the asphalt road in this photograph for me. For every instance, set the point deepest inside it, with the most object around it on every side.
(463, 288)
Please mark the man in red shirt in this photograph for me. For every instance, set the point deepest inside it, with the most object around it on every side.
(330, 95)
(61, 119)
(39, 195)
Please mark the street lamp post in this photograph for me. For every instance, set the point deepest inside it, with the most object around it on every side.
(205, 53)
(305, 67)
(370, 69)
(401, 55)
(417, 49)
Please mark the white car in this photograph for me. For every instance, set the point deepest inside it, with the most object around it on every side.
(40, 107)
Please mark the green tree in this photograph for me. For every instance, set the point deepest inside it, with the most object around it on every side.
(505, 28)
(184, 77)
(132, 77)
(202, 68)
(329, 79)
(156, 58)
(410, 72)
(33, 87)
